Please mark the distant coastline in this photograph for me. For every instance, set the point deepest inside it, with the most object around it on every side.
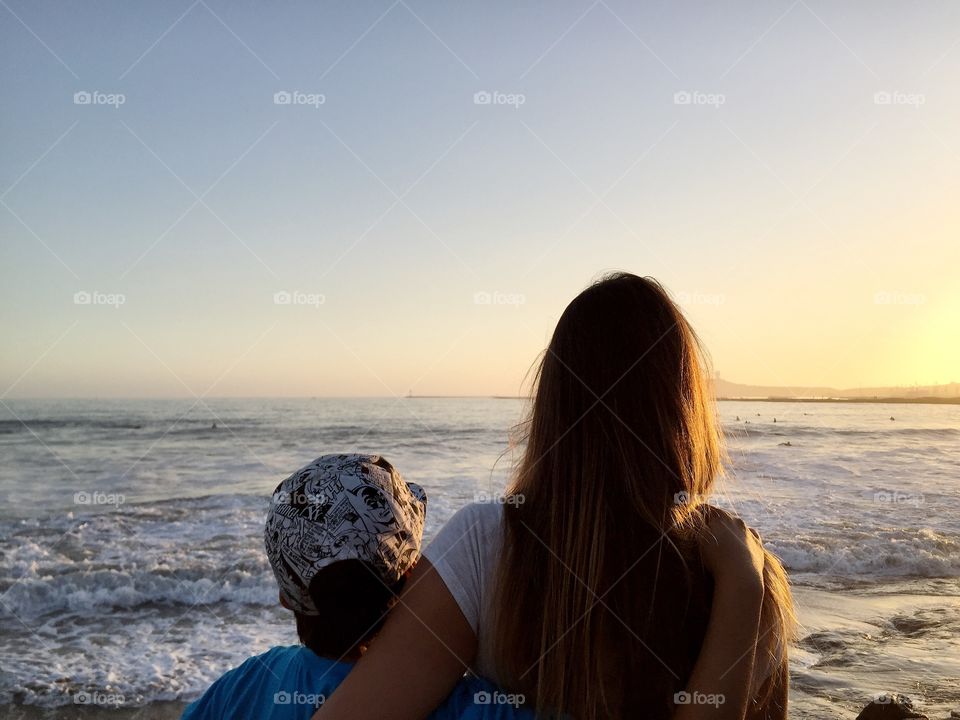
(726, 391)
(771, 399)
(891, 400)
(944, 394)
(464, 397)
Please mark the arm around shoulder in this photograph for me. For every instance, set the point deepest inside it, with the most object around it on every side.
(413, 664)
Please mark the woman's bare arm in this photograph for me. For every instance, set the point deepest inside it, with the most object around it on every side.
(414, 662)
(719, 687)
(427, 643)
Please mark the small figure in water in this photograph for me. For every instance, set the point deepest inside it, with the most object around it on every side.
(786, 444)
(774, 419)
(891, 417)
(738, 418)
(213, 427)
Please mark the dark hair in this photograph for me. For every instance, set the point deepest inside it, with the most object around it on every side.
(622, 445)
(352, 602)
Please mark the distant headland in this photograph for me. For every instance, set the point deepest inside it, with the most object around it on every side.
(946, 394)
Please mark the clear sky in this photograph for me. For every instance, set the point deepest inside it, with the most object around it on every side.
(447, 176)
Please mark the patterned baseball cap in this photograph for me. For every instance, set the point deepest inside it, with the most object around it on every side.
(342, 507)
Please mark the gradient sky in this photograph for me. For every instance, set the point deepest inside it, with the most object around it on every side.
(809, 227)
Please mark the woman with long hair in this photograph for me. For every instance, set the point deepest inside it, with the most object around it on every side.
(603, 585)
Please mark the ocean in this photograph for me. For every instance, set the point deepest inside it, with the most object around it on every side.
(132, 571)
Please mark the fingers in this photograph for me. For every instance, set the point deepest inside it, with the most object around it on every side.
(718, 518)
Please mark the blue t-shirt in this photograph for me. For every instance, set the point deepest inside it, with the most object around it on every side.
(290, 683)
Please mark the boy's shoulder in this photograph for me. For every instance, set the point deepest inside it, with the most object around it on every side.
(284, 682)
(291, 682)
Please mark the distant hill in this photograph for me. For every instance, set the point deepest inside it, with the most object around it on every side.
(729, 391)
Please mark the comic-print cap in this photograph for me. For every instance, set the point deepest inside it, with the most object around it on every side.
(342, 507)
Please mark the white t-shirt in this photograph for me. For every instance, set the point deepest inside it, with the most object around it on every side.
(465, 553)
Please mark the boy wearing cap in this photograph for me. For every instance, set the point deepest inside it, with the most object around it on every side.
(341, 535)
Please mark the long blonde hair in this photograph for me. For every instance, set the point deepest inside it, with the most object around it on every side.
(601, 601)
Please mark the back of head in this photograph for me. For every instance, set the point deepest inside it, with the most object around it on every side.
(621, 444)
(341, 533)
(351, 604)
(625, 378)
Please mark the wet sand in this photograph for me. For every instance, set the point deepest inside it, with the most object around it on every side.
(856, 646)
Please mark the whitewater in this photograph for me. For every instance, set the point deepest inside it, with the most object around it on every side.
(131, 560)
